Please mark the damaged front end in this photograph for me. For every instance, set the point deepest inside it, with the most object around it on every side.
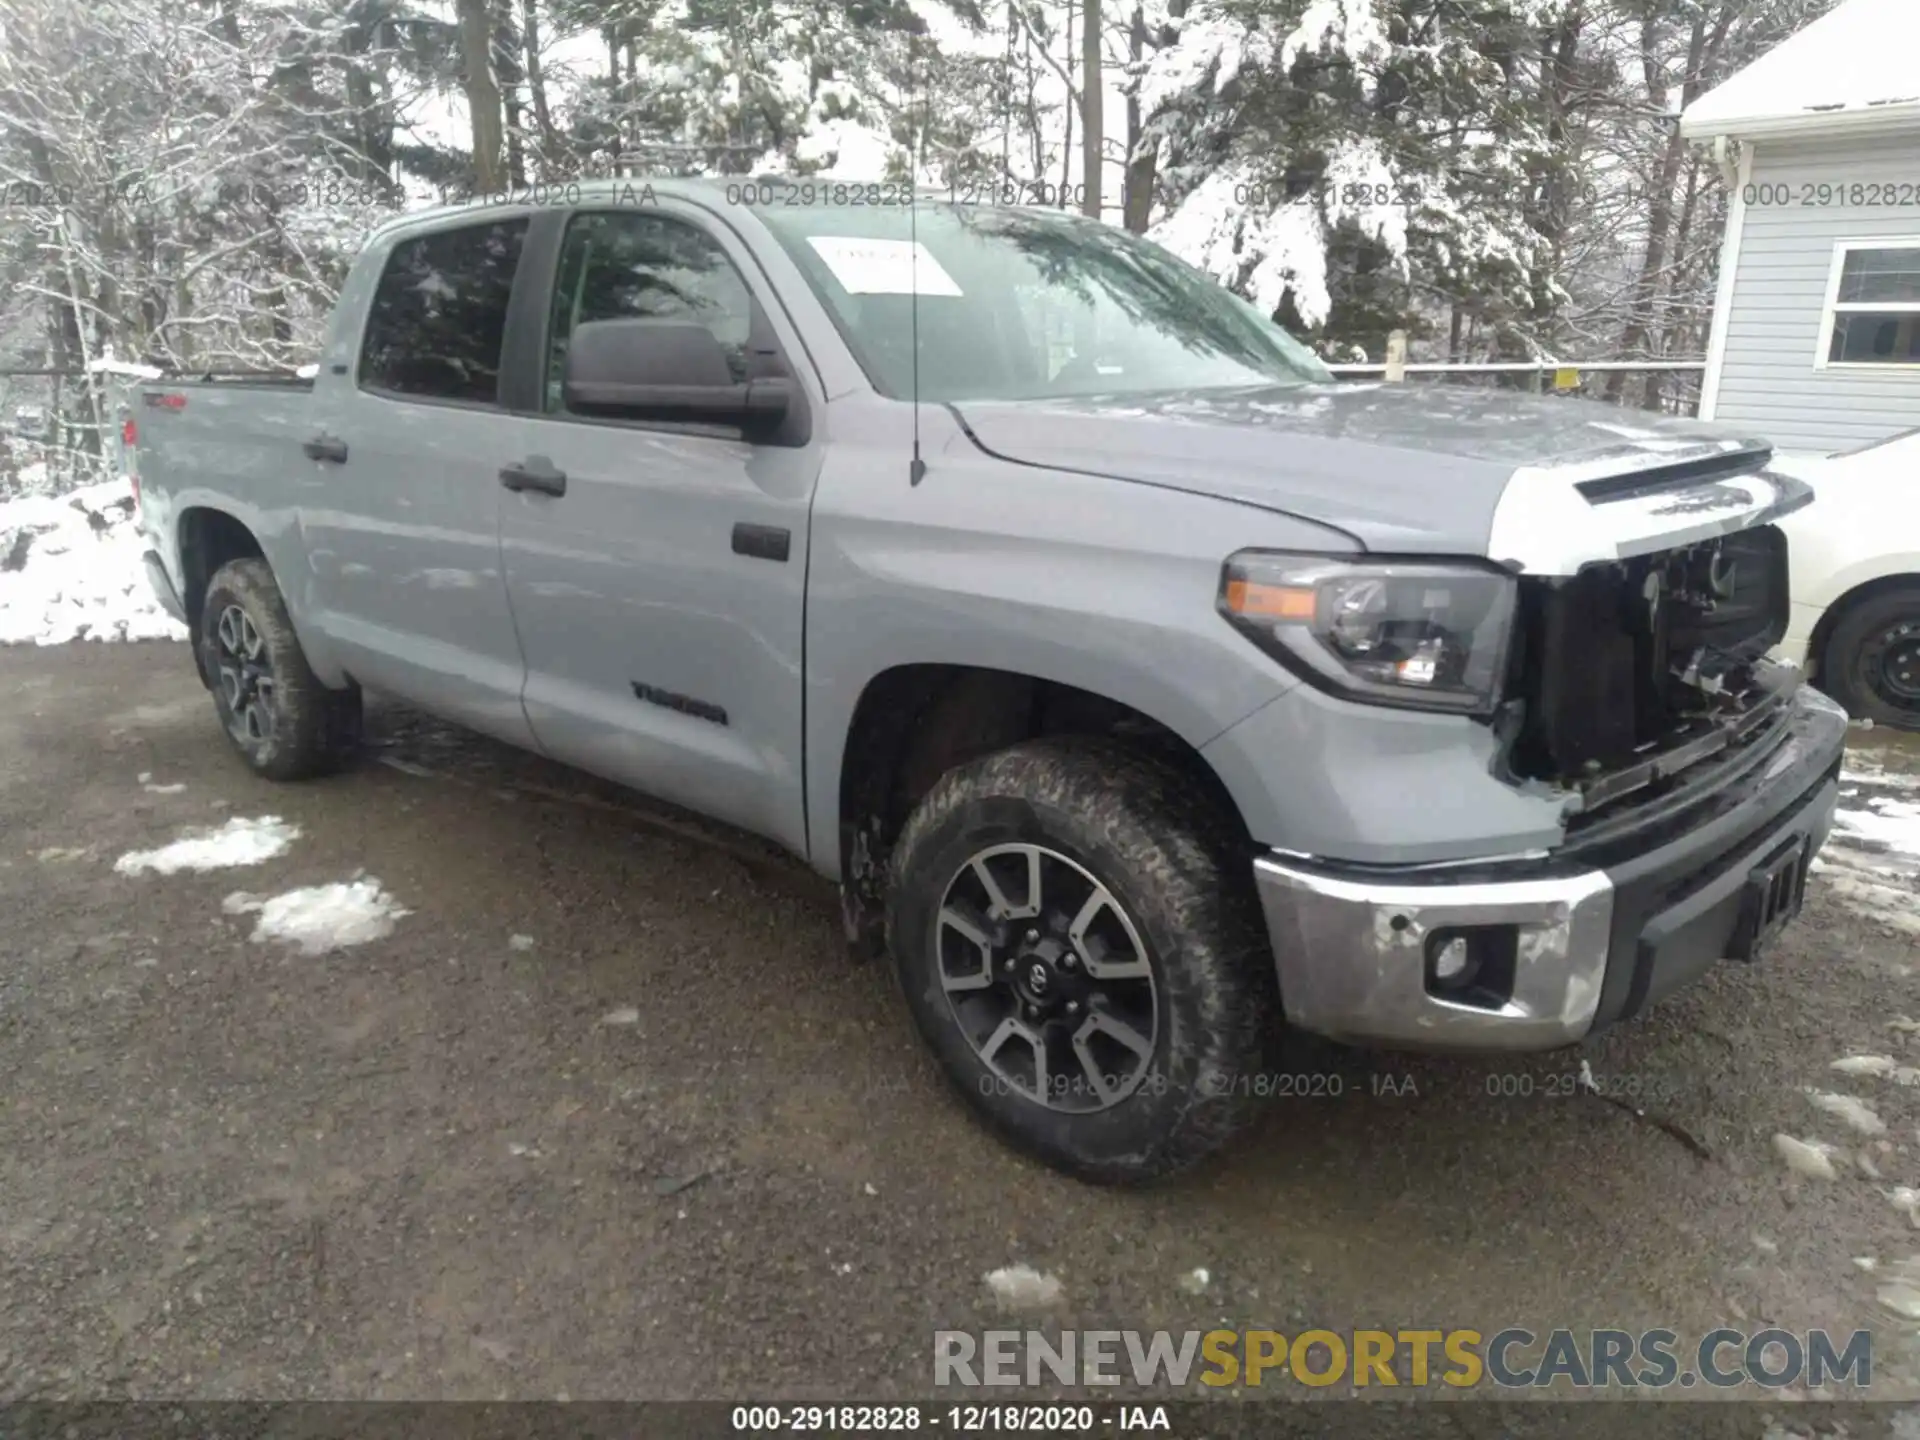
(1646, 677)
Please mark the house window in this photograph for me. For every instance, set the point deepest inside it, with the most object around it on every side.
(1873, 304)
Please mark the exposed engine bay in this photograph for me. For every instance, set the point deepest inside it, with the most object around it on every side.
(1635, 671)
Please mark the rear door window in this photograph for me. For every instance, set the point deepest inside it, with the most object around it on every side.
(438, 317)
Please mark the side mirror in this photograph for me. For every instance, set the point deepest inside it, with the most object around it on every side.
(664, 370)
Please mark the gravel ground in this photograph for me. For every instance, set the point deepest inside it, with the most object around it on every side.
(670, 1142)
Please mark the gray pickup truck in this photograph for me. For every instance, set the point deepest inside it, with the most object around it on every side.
(1145, 690)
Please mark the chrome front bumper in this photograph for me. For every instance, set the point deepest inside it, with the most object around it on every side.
(1352, 956)
(1585, 940)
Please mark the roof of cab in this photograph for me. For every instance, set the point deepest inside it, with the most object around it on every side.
(714, 191)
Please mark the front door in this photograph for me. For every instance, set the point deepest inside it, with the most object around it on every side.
(657, 570)
(402, 522)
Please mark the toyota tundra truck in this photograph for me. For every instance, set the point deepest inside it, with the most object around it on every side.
(1147, 692)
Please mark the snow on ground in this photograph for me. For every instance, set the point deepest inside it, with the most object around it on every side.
(1021, 1287)
(320, 918)
(70, 569)
(238, 842)
(1893, 823)
(1872, 859)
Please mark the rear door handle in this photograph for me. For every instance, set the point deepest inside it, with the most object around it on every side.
(536, 472)
(325, 447)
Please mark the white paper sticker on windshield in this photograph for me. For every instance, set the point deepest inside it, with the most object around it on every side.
(882, 267)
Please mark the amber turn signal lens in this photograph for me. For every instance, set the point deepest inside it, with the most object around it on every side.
(1270, 602)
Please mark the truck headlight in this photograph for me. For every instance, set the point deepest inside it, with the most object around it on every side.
(1417, 634)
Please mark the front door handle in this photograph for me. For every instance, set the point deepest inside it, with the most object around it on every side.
(536, 472)
(325, 447)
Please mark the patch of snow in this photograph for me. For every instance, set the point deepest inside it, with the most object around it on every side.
(1865, 770)
(1809, 1158)
(1902, 1298)
(407, 767)
(867, 1189)
(1852, 1112)
(71, 569)
(1866, 1263)
(514, 1147)
(238, 842)
(174, 789)
(1890, 905)
(126, 369)
(1210, 46)
(846, 149)
(520, 942)
(320, 918)
(1906, 1200)
(1865, 1065)
(1196, 1280)
(1347, 29)
(1892, 823)
(1021, 1287)
(625, 1015)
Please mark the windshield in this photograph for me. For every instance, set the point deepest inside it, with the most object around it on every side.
(1026, 305)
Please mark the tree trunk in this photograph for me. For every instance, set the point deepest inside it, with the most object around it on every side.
(1092, 86)
(1066, 143)
(507, 59)
(537, 79)
(1143, 156)
(483, 94)
(613, 93)
(1668, 306)
(1660, 211)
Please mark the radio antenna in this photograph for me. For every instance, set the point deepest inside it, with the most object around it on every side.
(916, 468)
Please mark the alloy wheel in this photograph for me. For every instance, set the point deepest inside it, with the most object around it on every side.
(1047, 977)
(245, 672)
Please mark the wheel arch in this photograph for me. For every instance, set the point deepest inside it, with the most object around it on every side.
(913, 723)
(208, 538)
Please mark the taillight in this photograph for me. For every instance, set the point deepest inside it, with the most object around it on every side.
(129, 433)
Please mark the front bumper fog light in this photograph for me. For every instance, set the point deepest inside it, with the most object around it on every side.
(1473, 964)
(1450, 960)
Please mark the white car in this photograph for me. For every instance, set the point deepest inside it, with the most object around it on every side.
(1855, 560)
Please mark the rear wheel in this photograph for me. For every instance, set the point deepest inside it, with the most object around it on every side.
(1872, 661)
(283, 721)
(1078, 942)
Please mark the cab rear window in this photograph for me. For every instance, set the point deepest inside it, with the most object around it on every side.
(439, 315)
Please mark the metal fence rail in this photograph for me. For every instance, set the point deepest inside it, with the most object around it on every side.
(1530, 367)
(1561, 376)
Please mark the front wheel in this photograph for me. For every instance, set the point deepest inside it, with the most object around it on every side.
(1872, 661)
(1078, 942)
(283, 721)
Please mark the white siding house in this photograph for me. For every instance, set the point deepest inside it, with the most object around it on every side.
(1816, 328)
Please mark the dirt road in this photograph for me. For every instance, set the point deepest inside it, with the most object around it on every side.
(671, 1142)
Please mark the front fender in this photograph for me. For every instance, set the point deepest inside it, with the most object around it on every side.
(1104, 585)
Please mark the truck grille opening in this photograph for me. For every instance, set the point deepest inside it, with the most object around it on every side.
(1633, 674)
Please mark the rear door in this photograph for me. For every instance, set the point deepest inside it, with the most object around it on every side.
(660, 595)
(402, 520)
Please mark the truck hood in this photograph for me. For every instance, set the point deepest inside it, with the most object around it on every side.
(1545, 484)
